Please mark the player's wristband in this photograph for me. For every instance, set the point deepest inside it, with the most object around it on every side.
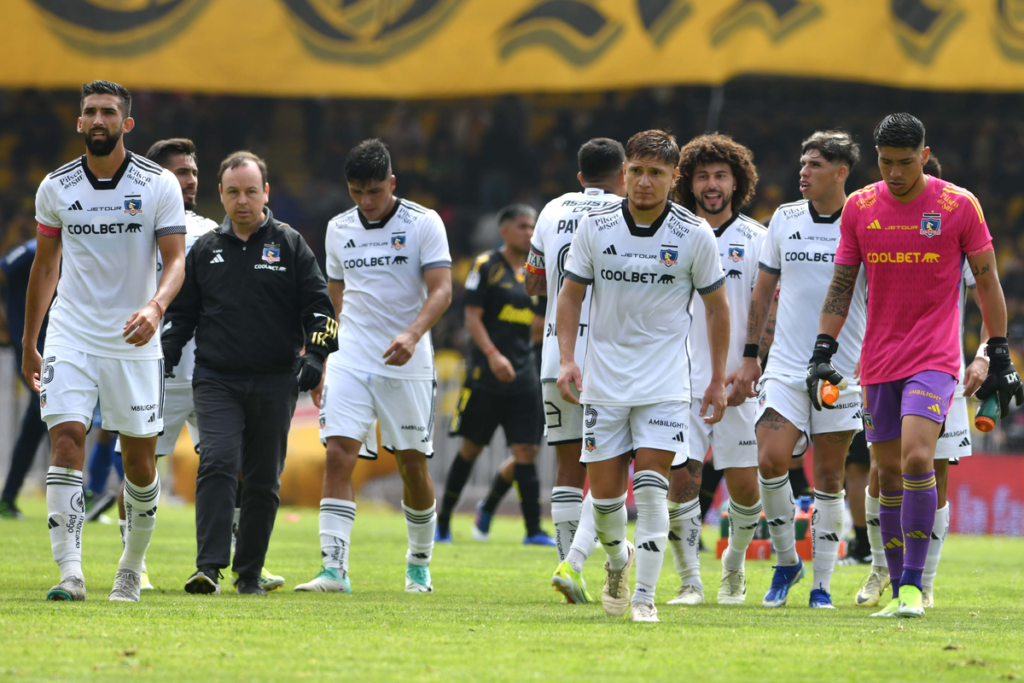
(750, 350)
(982, 353)
(158, 306)
(491, 350)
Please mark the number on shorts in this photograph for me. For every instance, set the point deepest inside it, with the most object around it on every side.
(48, 369)
(591, 414)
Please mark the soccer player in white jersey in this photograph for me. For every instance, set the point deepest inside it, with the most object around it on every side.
(798, 256)
(716, 178)
(101, 219)
(600, 163)
(646, 258)
(389, 271)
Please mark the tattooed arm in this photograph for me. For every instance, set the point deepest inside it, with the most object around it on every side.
(837, 300)
(744, 379)
(990, 292)
(768, 336)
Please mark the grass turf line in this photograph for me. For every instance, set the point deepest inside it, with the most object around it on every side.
(493, 616)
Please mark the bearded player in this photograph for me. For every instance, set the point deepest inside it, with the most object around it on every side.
(912, 232)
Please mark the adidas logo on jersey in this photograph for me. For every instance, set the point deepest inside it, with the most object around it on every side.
(77, 206)
(935, 409)
(796, 236)
(350, 244)
(965, 443)
(611, 251)
(680, 437)
(649, 546)
(217, 259)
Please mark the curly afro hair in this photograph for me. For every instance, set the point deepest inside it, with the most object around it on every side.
(712, 149)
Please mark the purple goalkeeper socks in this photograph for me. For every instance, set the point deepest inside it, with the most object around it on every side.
(889, 508)
(918, 517)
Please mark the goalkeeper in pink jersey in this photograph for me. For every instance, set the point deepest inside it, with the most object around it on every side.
(911, 231)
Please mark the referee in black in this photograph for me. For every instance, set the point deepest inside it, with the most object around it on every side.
(502, 383)
(254, 296)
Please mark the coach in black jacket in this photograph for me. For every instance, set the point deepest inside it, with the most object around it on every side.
(254, 296)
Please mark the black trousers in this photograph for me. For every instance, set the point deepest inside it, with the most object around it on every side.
(33, 431)
(243, 426)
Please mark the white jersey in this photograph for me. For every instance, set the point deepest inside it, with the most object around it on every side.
(968, 282)
(195, 227)
(382, 266)
(556, 226)
(801, 249)
(644, 280)
(739, 247)
(109, 230)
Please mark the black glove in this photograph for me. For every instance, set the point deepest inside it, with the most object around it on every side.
(1002, 377)
(170, 362)
(311, 369)
(821, 370)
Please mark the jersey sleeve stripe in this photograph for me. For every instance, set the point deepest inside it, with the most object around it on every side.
(768, 269)
(569, 275)
(66, 168)
(712, 287)
(171, 230)
(971, 198)
(436, 264)
(146, 165)
(47, 230)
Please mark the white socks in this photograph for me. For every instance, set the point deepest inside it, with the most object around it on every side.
(685, 526)
(939, 531)
(871, 512)
(420, 525)
(826, 528)
(140, 503)
(585, 539)
(336, 519)
(743, 523)
(780, 510)
(650, 491)
(65, 509)
(610, 527)
(566, 503)
(123, 524)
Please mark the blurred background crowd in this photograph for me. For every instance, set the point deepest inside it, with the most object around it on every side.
(466, 158)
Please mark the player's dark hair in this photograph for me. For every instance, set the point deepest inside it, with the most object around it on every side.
(653, 144)
(162, 150)
(715, 149)
(108, 88)
(901, 131)
(833, 145)
(368, 162)
(513, 211)
(236, 159)
(600, 159)
(932, 167)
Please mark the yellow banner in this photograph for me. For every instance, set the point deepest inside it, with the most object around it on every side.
(448, 48)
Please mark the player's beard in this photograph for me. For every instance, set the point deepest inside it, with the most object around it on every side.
(103, 146)
(190, 204)
(726, 201)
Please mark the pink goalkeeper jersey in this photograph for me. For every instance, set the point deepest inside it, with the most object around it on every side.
(912, 254)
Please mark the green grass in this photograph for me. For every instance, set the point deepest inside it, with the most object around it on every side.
(493, 617)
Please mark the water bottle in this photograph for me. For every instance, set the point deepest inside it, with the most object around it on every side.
(988, 414)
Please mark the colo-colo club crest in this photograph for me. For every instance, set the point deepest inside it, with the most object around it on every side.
(931, 224)
(669, 255)
(271, 253)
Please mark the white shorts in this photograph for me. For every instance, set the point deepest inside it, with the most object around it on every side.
(611, 431)
(791, 402)
(353, 401)
(955, 442)
(130, 392)
(564, 420)
(731, 440)
(179, 411)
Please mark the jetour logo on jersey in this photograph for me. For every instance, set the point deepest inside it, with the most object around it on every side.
(271, 253)
(669, 255)
(133, 205)
(931, 224)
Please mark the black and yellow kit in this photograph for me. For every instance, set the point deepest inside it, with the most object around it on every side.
(486, 402)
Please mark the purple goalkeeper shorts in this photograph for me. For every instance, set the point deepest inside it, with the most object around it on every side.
(927, 394)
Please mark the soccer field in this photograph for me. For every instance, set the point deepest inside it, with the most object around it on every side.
(493, 617)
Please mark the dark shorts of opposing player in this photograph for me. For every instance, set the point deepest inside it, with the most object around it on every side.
(480, 412)
(859, 453)
(927, 394)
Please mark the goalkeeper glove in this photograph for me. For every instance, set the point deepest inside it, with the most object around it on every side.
(311, 369)
(821, 370)
(1002, 378)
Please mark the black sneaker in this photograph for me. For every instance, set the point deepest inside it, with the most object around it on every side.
(856, 553)
(8, 510)
(101, 502)
(246, 586)
(204, 582)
